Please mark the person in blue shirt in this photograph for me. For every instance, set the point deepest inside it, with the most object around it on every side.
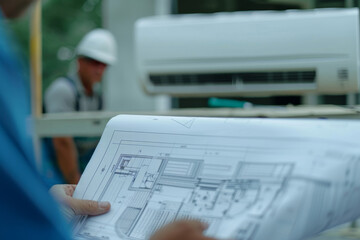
(28, 211)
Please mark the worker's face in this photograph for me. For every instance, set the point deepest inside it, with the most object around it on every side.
(91, 71)
(14, 8)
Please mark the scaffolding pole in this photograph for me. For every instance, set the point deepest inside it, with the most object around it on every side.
(36, 74)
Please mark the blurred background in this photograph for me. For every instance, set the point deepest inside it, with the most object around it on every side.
(65, 22)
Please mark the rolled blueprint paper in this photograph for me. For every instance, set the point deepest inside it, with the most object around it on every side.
(257, 179)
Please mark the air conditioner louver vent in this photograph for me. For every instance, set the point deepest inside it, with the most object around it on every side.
(234, 78)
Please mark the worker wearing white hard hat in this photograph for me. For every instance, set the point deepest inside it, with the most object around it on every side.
(76, 92)
(100, 45)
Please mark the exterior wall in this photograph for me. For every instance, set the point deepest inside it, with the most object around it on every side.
(122, 91)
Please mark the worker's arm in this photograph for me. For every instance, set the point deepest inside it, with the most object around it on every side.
(67, 159)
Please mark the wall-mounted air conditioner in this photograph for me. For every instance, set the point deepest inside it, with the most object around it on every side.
(250, 53)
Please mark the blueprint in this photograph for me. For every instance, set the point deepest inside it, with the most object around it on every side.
(249, 179)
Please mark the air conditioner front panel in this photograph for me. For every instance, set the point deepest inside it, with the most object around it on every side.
(172, 52)
(331, 76)
(247, 36)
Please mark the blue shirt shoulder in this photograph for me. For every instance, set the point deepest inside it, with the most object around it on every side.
(27, 210)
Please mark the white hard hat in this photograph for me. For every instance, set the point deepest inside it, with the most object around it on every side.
(100, 45)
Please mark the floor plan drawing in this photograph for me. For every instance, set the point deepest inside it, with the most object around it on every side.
(243, 185)
(149, 180)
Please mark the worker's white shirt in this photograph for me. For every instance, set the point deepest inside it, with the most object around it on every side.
(61, 97)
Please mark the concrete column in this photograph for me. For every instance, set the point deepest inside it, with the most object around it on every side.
(122, 91)
(163, 102)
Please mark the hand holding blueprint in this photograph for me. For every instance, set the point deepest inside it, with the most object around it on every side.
(257, 179)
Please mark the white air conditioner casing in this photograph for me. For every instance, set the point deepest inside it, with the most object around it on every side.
(250, 53)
